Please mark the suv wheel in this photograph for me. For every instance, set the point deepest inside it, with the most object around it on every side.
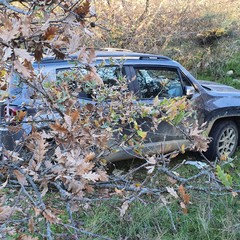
(224, 142)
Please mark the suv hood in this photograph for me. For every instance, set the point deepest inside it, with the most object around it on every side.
(217, 87)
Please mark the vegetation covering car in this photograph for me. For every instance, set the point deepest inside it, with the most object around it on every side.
(148, 76)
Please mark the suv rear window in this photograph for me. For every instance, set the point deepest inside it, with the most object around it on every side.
(109, 75)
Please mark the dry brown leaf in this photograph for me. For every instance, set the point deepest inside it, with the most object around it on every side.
(89, 157)
(68, 121)
(172, 192)
(74, 116)
(22, 69)
(183, 194)
(26, 237)
(200, 142)
(20, 115)
(119, 191)
(76, 187)
(5, 212)
(91, 55)
(46, 135)
(73, 45)
(37, 211)
(23, 54)
(7, 53)
(181, 190)
(124, 208)
(92, 76)
(40, 151)
(234, 194)
(44, 186)
(103, 176)
(50, 217)
(10, 31)
(184, 208)
(91, 176)
(20, 177)
(26, 26)
(83, 9)
(171, 180)
(31, 225)
(50, 33)
(58, 128)
(83, 167)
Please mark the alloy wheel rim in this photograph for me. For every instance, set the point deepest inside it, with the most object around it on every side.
(227, 142)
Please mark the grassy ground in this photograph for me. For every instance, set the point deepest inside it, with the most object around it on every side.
(208, 216)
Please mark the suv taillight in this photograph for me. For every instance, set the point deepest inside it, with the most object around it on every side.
(11, 111)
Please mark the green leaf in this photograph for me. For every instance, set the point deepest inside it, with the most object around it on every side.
(178, 118)
(142, 134)
(224, 177)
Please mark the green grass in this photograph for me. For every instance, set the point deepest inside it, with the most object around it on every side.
(233, 80)
(208, 217)
(212, 218)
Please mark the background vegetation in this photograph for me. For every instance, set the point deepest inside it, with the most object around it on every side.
(201, 35)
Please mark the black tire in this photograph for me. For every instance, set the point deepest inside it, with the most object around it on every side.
(224, 136)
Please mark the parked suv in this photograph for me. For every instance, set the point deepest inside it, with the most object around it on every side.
(150, 76)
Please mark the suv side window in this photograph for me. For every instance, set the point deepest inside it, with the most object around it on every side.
(109, 75)
(161, 82)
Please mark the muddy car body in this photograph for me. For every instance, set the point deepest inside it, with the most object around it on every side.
(218, 105)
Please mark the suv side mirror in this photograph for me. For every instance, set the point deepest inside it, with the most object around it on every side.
(190, 90)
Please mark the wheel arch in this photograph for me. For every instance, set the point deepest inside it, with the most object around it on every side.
(235, 119)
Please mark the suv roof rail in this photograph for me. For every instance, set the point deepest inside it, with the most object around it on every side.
(113, 49)
(158, 57)
(112, 52)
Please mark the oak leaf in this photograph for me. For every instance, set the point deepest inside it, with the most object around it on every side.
(172, 192)
(50, 33)
(183, 194)
(102, 175)
(184, 208)
(91, 176)
(124, 208)
(20, 115)
(26, 237)
(171, 180)
(5, 212)
(20, 177)
(7, 53)
(58, 127)
(83, 10)
(10, 31)
(73, 45)
(90, 156)
(31, 225)
(27, 73)
(50, 217)
(23, 54)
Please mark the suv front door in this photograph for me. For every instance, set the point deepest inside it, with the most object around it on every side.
(161, 82)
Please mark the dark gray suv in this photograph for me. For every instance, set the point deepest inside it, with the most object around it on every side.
(150, 76)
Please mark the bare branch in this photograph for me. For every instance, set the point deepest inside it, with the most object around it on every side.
(13, 8)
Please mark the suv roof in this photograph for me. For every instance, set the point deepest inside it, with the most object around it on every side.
(112, 53)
